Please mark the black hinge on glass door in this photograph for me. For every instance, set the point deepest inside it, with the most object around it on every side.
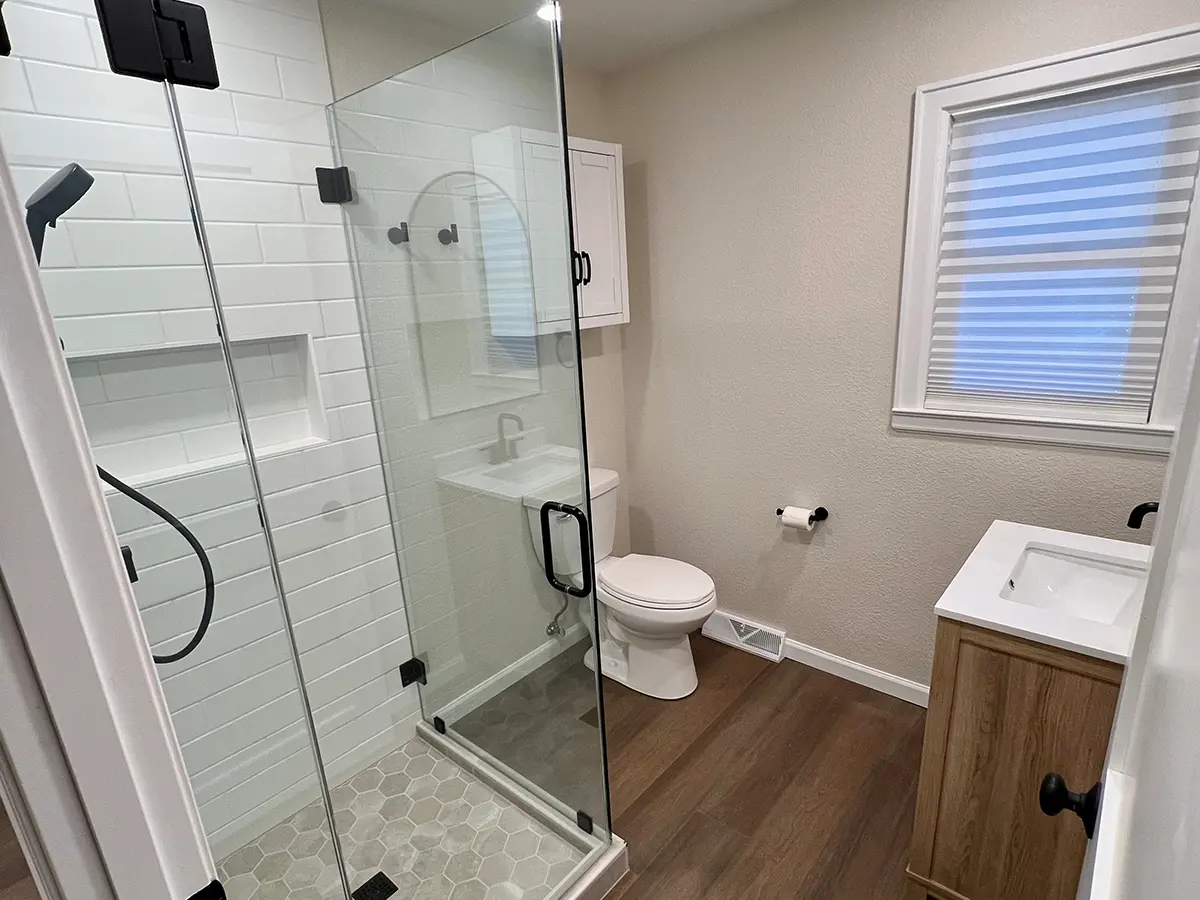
(412, 670)
(162, 40)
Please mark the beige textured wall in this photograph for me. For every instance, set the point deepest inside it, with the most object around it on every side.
(766, 174)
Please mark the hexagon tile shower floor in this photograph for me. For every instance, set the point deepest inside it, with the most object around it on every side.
(432, 827)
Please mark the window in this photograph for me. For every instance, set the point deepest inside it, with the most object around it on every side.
(1052, 265)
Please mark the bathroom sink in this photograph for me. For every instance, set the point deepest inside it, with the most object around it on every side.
(537, 468)
(1073, 591)
(1087, 586)
(540, 467)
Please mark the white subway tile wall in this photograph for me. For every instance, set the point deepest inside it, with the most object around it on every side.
(123, 273)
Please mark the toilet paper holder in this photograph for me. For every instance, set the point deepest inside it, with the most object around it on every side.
(819, 514)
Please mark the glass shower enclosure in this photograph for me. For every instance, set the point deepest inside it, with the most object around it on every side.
(356, 412)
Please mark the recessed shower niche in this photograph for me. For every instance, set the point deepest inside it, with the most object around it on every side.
(166, 411)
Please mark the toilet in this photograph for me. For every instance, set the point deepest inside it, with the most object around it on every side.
(648, 604)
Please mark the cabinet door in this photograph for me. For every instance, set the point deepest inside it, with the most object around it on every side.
(1003, 713)
(547, 232)
(594, 180)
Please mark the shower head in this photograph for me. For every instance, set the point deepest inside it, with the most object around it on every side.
(58, 193)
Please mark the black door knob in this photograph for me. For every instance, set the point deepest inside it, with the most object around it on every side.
(1054, 796)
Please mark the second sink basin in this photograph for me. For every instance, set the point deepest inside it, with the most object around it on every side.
(1087, 586)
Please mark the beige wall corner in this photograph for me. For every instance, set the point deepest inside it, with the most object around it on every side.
(367, 42)
(588, 116)
(604, 404)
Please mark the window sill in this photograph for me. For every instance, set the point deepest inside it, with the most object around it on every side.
(1151, 439)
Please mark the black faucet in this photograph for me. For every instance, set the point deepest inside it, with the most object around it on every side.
(1140, 512)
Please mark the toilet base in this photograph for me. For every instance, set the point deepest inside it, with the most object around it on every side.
(663, 669)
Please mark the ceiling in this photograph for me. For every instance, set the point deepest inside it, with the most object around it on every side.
(607, 35)
(602, 35)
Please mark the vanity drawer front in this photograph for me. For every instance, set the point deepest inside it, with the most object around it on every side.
(1003, 713)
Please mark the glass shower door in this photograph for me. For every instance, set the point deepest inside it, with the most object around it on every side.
(99, 159)
(459, 235)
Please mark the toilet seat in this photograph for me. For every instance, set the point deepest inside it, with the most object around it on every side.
(655, 582)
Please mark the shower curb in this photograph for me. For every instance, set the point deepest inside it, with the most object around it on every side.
(603, 865)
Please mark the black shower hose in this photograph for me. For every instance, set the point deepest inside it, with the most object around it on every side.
(209, 588)
(36, 223)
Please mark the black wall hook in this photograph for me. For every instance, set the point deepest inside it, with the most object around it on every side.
(398, 235)
(449, 235)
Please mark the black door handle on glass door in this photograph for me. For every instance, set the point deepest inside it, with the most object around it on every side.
(585, 548)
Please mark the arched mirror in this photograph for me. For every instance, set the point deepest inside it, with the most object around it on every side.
(473, 294)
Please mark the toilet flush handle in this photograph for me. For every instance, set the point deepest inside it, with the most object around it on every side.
(585, 548)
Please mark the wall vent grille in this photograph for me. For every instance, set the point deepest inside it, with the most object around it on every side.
(753, 637)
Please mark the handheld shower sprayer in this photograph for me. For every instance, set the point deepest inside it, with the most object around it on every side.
(57, 194)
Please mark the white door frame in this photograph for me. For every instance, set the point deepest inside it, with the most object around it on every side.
(36, 784)
(1147, 843)
(75, 608)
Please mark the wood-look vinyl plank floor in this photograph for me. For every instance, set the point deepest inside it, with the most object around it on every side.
(15, 880)
(770, 781)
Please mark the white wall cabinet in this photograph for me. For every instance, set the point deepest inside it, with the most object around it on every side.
(598, 204)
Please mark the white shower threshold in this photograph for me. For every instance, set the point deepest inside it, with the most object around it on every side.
(605, 862)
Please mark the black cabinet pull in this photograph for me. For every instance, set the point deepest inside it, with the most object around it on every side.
(1054, 796)
(585, 548)
(577, 268)
(587, 261)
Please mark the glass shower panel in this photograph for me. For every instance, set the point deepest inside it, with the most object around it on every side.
(126, 282)
(287, 291)
(459, 234)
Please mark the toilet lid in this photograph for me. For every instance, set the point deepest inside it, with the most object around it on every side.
(656, 581)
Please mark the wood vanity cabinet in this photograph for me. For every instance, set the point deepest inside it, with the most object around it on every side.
(1004, 712)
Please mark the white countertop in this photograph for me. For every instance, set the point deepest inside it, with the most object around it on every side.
(974, 596)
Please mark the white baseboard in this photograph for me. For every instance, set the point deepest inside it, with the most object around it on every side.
(876, 680)
(510, 675)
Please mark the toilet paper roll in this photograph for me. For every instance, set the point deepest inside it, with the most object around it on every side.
(797, 517)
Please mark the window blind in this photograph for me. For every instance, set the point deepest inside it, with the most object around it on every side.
(1062, 231)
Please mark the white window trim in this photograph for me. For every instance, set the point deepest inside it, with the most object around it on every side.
(1123, 62)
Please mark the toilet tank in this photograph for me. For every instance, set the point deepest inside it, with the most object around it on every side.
(564, 532)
